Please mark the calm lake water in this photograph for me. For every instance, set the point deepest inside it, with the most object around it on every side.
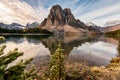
(94, 51)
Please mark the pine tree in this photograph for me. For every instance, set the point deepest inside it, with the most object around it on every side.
(16, 72)
(118, 49)
(57, 70)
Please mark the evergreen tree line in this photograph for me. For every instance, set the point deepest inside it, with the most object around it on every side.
(114, 34)
(30, 30)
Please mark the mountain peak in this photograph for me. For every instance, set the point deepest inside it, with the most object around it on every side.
(32, 25)
(67, 10)
(59, 17)
(56, 16)
(16, 24)
(56, 7)
(90, 24)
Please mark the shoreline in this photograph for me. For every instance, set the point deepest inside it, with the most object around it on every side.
(23, 34)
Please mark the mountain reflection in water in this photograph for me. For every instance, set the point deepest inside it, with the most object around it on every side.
(91, 50)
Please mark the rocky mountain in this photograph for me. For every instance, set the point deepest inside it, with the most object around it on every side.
(62, 20)
(33, 25)
(16, 26)
(92, 25)
(13, 26)
(110, 28)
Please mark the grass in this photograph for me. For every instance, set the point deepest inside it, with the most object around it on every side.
(78, 71)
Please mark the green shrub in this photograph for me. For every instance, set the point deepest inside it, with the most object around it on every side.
(16, 72)
(56, 65)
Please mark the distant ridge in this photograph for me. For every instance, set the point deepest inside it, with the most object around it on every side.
(16, 26)
(110, 28)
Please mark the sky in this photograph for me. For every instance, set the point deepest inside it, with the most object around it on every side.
(100, 12)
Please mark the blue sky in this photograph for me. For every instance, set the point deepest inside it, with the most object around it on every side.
(100, 12)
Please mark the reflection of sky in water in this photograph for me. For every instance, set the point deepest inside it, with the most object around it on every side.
(99, 49)
(34, 48)
(30, 50)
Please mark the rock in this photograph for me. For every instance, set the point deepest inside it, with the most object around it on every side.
(59, 18)
(44, 22)
(33, 25)
(93, 26)
(16, 26)
(68, 16)
(115, 60)
(13, 26)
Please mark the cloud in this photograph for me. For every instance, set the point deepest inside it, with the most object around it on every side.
(96, 15)
(102, 21)
(100, 12)
(112, 22)
(76, 0)
(20, 12)
(42, 12)
(24, 11)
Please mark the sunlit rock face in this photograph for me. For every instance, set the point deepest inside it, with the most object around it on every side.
(58, 19)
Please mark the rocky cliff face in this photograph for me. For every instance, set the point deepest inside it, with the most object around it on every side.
(59, 18)
(56, 17)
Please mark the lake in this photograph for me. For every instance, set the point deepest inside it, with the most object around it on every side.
(93, 51)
